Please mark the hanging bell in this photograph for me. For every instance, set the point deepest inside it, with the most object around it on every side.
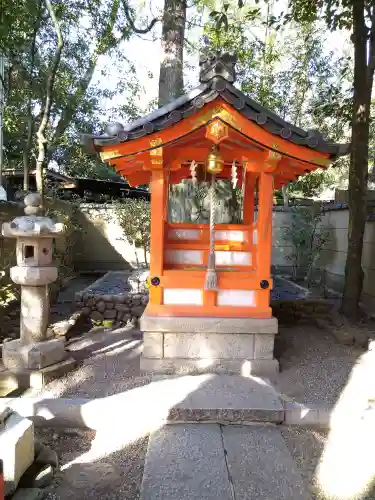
(215, 162)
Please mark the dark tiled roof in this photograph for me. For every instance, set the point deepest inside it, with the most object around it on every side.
(219, 85)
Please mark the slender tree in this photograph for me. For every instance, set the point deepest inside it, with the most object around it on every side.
(47, 106)
(171, 79)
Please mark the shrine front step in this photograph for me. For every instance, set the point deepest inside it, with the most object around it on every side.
(194, 345)
(213, 462)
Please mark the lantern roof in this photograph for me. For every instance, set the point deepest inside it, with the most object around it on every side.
(217, 75)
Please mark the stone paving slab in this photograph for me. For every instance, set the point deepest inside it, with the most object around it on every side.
(204, 462)
(186, 462)
(260, 464)
(224, 398)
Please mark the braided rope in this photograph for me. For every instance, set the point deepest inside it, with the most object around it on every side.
(212, 214)
(211, 278)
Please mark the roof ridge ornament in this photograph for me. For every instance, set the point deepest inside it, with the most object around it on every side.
(217, 64)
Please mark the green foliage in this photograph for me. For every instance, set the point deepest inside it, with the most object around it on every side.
(134, 218)
(285, 66)
(90, 30)
(307, 238)
(8, 292)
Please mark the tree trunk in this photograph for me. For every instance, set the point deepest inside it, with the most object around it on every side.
(30, 119)
(358, 170)
(171, 81)
(42, 140)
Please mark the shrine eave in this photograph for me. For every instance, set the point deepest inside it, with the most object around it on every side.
(196, 99)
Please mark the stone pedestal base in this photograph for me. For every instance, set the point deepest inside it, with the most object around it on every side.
(16, 449)
(19, 357)
(200, 345)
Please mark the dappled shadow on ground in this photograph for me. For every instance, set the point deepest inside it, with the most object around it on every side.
(347, 466)
(339, 463)
(315, 369)
(89, 469)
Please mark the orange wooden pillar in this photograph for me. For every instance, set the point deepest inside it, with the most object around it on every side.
(248, 203)
(159, 190)
(265, 235)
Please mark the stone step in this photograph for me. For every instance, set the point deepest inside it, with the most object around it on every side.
(260, 465)
(222, 399)
(214, 462)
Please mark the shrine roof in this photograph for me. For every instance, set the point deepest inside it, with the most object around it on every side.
(217, 77)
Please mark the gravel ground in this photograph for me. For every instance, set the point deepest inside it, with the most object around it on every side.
(109, 365)
(95, 466)
(314, 367)
(306, 447)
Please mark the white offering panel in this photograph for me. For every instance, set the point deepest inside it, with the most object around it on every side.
(227, 235)
(183, 296)
(183, 234)
(233, 258)
(240, 298)
(184, 257)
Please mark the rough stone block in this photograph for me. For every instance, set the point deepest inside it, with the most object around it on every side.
(263, 346)
(17, 356)
(100, 306)
(208, 325)
(153, 345)
(137, 311)
(38, 379)
(110, 314)
(96, 316)
(122, 307)
(209, 345)
(16, 449)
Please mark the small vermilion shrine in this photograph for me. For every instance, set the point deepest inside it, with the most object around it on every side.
(209, 306)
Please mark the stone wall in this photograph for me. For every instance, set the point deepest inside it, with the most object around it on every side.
(102, 246)
(333, 257)
(119, 297)
(335, 251)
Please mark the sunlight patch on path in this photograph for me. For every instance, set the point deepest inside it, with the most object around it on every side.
(347, 466)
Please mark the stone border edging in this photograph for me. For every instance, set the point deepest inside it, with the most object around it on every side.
(312, 415)
(70, 412)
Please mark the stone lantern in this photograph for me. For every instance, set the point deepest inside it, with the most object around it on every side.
(34, 272)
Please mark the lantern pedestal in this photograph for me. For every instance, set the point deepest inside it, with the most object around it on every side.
(34, 357)
(199, 345)
(18, 356)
